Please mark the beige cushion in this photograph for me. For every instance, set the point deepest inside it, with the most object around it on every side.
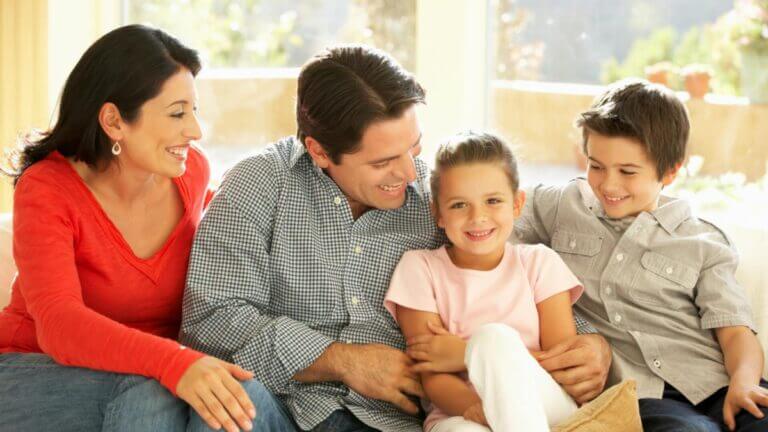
(614, 410)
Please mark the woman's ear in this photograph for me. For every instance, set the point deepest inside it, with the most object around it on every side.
(112, 122)
(317, 153)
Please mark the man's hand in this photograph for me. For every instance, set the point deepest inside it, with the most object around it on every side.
(381, 372)
(437, 352)
(579, 364)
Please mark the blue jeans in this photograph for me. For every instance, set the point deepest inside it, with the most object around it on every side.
(36, 393)
(273, 416)
(674, 413)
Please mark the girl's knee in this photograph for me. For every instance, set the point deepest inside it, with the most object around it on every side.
(493, 336)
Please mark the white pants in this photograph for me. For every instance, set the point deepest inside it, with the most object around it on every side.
(517, 393)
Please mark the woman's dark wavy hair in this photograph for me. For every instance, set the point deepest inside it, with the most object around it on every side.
(127, 67)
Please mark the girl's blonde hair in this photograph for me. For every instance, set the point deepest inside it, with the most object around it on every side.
(473, 147)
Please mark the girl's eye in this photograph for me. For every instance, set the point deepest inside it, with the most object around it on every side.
(594, 167)
(458, 205)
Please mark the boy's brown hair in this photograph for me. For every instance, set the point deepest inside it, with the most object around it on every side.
(649, 113)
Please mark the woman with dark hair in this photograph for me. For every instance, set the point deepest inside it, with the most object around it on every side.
(106, 204)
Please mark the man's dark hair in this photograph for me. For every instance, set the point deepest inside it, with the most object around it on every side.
(345, 89)
(649, 113)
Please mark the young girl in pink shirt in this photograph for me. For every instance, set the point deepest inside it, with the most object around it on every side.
(473, 309)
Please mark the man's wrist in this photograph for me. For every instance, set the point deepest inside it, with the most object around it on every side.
(339, 355)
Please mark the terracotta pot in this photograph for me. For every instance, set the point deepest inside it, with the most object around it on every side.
(697, 84)
(658, 77)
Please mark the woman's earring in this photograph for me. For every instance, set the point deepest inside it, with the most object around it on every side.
(116, 149)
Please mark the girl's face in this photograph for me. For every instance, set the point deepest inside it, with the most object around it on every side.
(476, 207)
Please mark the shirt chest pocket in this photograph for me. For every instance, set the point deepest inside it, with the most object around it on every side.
(578, 250)
(665, 281)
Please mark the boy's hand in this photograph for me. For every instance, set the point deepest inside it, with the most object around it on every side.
(743, 395)
(476, 414)
(438, 352)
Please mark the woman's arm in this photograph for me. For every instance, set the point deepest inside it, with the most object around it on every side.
(555, 320)
(447, 391)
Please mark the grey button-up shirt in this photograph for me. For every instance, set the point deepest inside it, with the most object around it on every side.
(279, 270)
(655, 289)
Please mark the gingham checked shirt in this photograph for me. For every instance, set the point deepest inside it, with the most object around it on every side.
(279, 270)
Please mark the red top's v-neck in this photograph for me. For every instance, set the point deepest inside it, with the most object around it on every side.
(81, 295)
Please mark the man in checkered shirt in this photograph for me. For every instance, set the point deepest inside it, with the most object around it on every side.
(293, 257)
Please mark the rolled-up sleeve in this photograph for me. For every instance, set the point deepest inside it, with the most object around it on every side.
(722, 302)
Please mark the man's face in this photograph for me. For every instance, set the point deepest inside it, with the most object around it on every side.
(376, 175)
(623, 176)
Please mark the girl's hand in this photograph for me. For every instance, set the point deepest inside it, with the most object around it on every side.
(437, 352)
(742, 395)
(210, 386)
(476, 414)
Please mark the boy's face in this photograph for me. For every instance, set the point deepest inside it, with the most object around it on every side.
(623, 176)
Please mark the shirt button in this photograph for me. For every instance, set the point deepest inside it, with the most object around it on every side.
(657, 363)
(669, 270)
(617, 318)
(358, 249)
(337, 200)
(620, 257)
(607, 289)
(617, 228)
(572, 244)
(355, 300)
(348, 341)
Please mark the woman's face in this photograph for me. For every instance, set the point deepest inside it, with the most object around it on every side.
(158, 140)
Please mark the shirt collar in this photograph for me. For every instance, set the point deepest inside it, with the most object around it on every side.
(670, 213)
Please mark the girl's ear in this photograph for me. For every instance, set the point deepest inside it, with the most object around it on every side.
(519, 202)
(436, 214)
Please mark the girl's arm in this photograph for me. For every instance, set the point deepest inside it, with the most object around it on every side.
(555, 320)
(447, 391)
(744, 364)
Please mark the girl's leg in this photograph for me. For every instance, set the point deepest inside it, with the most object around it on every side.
(517, 393)
(458, 424)
(36, 393)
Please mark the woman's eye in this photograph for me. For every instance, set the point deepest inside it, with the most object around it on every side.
(178, 115)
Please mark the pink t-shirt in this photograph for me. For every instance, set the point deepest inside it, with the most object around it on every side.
(427, 280)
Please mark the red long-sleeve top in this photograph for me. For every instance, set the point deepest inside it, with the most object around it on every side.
(81, 295)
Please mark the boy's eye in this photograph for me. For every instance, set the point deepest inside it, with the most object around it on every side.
(380, 164)
(494, 201)
(458, 205)
(594, 167)
(628, 172)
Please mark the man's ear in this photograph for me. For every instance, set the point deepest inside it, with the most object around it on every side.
(317, 153)
(519, 202)
(112, 122)
(671, 174)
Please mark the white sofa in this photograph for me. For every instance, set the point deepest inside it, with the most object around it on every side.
(751, 272)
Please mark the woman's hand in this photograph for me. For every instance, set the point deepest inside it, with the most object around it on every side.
(437, 352)
(210, 386)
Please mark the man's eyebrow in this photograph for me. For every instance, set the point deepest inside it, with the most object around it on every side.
(389, 158)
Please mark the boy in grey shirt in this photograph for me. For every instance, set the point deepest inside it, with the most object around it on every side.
(659, 282)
